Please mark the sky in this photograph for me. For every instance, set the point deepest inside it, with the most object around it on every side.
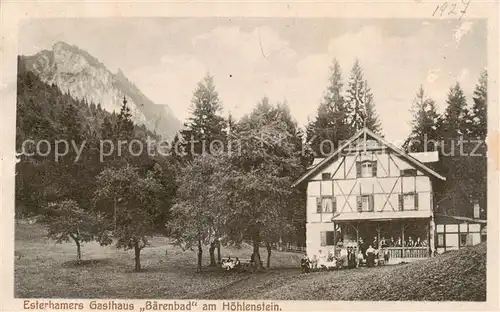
(285, 59)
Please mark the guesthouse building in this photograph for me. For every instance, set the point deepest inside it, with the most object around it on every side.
(371, 191)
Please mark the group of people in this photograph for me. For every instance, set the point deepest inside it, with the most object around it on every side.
(349, 258)
(389, 242)
(410, 242)
(228, 264)
(369, 254)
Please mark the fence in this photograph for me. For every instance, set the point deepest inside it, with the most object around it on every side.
(290, 248)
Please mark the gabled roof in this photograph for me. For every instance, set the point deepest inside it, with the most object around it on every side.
(361, 132)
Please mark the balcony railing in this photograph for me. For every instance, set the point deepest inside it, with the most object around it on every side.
(400, 252)
(408, 252)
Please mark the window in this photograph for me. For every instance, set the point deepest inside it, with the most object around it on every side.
(326, 176)
(326, 204)
(327, 238)
(465, 240)
(366, 169)
(440, 240)
(408, 201)
(408, 172)
(365, 203)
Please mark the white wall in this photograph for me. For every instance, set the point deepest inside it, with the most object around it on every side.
(451, 231)
(385, 187)
(313, 238)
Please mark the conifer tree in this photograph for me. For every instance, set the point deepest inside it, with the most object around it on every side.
(124, 125)
(71, 123)
(462, 185)
(106, 129)
(206, 123)
(331, 123)
(479, 108)
(455, 114)
(424, 124)
(361, 102)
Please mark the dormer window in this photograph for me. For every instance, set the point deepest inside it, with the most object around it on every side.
(366, 169)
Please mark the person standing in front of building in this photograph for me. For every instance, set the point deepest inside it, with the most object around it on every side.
(370, 256)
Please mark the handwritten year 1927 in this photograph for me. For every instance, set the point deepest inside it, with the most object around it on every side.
(452, 9)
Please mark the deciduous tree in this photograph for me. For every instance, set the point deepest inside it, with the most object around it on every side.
(67, 221)
(138, 206)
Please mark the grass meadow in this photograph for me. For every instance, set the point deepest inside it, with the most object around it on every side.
(44, 269)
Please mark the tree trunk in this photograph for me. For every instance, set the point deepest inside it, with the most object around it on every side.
(211, 250)
(219, 258)
(78, 252)
(268, 246)
(137, 257)
(200, 254)
(78, 248)
(256, 254)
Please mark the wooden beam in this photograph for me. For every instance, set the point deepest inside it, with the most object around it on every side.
(444, 236)
(388, 196)
(353, 164)
(350, 179)
(321, 201)
(346, 197)
(388, 165)
(340, 165)
(345, 172)
(357, 232)
(378, 234)
(383, 168)
(334, 237)
(395, 164)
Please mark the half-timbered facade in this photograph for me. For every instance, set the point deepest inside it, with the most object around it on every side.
(371, 190)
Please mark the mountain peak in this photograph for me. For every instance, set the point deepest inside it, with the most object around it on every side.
(119, 74)
(74, 69)
(60, 45)
(64, 48)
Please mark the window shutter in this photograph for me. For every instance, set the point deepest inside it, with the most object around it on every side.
(358, 169)
(370, 199)
(334, 204)
(415, 198)
(400, 202)
(323, 238)
(318, 204)
(374, 168)
(359, 203)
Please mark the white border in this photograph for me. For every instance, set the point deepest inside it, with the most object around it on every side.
(13, 12)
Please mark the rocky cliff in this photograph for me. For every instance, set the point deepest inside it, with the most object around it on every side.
(75, 71)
